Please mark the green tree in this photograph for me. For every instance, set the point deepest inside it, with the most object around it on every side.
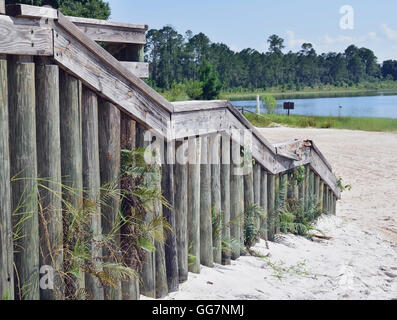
(97, 9)
(270, 104)
(211, 84)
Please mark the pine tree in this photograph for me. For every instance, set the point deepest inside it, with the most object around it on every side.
(209, 78)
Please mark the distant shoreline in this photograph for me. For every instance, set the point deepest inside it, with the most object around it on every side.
(307, 93)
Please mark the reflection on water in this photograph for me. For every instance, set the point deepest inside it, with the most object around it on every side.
(381, 105)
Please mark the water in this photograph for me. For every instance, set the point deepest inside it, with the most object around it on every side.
(380, 106)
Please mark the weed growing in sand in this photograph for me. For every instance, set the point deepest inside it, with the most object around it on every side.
(281, 270)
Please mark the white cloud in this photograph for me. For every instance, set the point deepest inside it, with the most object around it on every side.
(390, 33)
(293, 43)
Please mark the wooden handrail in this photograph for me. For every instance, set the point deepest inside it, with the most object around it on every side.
(80, 55)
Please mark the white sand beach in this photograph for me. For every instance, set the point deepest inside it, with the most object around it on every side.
(359, 262)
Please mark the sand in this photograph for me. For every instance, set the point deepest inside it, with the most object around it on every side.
(359, 262)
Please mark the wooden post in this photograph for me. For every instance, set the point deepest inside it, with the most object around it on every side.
(6, 239)
(317, 189)
(225, 196)
(92, 185)
(307, 187)
(181, 211)
(22, 129)
(2, 6)
(168, 187)
(216, 206)
(109, 159)
(249, 199)
(326, 208)
(311, 187)
(49, 169)
(258, 105)
(129, 288)
(206, 247)
(194, 204)
(277, 200)
(257, 192)
(148, 283)
(264, 204)
(271, 197)
(321, 196)
(334, 207)
(72, 164)
(283, 193)
(236, 199)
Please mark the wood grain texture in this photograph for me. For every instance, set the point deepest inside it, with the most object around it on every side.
(21, 39)
(264, 204)
(6, 239)
(112, 63)
(225, 195)
(48, 137)
(140, 69)
(129, 287)
(257, 191)
(28, 11)
(108, 82)
(168, 189)
(92, 185)
(148, 274)
(216, 205)
(70, 90)
(181, 211)
(109, 121)
(271, 197)
(206, 244)
(194, 154)
(22, 125)
(236, 199)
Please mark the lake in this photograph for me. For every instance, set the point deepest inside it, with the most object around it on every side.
(379, 106)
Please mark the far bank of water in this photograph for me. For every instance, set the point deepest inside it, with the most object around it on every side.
(379, 105)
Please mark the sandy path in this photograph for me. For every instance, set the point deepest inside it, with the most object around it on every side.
(359, 262)
(365, 160)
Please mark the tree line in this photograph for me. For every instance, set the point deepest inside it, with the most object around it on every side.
(176, 58)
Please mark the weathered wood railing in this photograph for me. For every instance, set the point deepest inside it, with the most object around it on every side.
(67, 109)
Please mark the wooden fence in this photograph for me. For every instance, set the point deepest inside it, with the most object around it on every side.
(69, 106)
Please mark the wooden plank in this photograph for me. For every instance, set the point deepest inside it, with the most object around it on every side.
(109, 33)
(109, 120)
(21, 39)
(72, 165)
(317, 188)
(108, 23)
(168, 188)
(216, 202)
(194, 152)
(48, 138)
(181, 211)
(92, 185)
(318, 165)
(206, 246)
(28, 11)
(148, 274)
(112, 63)
(6, 239)
(139, 69)
(271, 196)
(22, 124)
(236, 200)
(264, 204)
(257, 191)
(2, 6)
(129, 287)
(225, 197)
(73, 56)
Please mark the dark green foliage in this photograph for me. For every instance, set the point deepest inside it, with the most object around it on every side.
(177, 58)
(97, 9)
(251, 228)
(209, 78)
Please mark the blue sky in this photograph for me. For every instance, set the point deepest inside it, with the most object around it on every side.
(248, 23)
